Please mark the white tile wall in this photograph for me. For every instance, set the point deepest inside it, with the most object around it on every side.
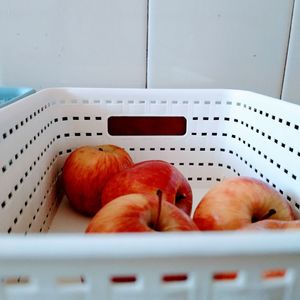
(240, 44)
(73, 43)
(291, 87)
(219, 44)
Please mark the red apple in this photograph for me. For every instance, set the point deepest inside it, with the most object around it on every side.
(140, 213)
(239, 201)
(147, 177)
(85, 172)
(273, 225)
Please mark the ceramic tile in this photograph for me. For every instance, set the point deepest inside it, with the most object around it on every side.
(73, 43)
(218, 44)
(291, 87)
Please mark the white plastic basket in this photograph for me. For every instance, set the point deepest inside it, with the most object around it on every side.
(228, 133)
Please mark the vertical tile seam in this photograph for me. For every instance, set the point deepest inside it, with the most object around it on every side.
(287, 50)
(147, 44)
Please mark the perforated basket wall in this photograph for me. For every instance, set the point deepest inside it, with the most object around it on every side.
(228, 133)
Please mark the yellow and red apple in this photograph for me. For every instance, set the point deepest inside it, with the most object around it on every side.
(140, 213)
(147, 177)
(240, 201)
(273, 225)
(85, 172)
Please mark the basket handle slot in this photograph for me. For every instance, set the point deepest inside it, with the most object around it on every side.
(146, 125)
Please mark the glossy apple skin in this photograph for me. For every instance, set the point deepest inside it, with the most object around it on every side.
(273, 225)
(147, 177)
(85, 172)
(139, 213)
(237, 202)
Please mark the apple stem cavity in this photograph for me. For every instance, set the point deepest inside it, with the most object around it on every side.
(100, 149)
(159, 195)
(269, 214)
(179, 197)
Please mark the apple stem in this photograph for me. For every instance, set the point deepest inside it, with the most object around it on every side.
(100, 149)
(269, 214)
(159, 195)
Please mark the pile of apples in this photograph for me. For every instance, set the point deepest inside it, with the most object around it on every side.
(120, 195)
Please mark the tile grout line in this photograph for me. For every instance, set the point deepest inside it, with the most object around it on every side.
(147, 45)
(287, 50)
